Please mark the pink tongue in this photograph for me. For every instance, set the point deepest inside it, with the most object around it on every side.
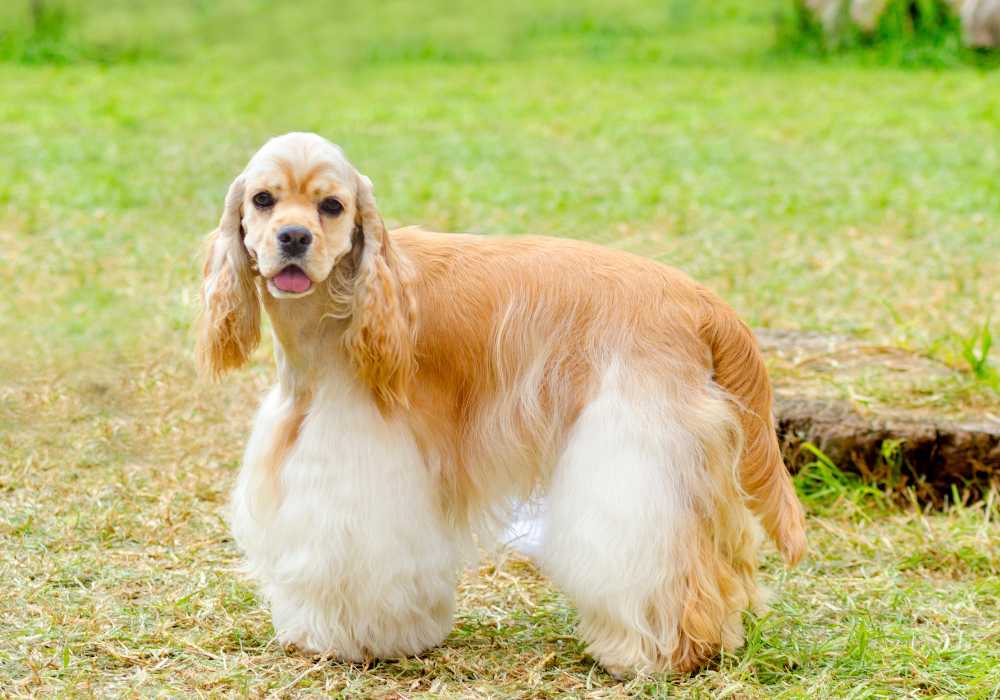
(292, 279)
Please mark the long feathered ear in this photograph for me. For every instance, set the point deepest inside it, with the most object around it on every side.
(381, 332)
(229, 326)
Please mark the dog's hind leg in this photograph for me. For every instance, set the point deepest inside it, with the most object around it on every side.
(646, 528)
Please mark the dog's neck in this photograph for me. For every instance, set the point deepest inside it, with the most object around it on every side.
(306, 338)
(323, 331)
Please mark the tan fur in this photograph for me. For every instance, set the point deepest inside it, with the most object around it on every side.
(229, 325)
(490, 348)
(740, 370)
(380, 337)
(284, 435)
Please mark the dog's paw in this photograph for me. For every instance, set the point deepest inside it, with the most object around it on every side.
(620, 673)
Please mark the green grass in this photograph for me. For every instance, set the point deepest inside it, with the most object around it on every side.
(821, 195)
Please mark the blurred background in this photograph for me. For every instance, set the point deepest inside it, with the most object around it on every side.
(829, 166)
(819, 172)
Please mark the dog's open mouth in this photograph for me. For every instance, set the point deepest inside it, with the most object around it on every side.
(292, 280)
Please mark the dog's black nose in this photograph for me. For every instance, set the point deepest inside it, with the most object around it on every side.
(294, 240)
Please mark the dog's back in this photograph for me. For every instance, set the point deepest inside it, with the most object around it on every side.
(554, 312)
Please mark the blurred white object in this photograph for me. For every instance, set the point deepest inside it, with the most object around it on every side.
(981, 23)
(827, 11)
(527, 528)
(980, 18)
(863, 13)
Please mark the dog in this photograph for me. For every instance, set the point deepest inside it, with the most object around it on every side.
(426, 382)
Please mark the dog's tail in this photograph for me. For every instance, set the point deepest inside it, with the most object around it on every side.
(740, 370)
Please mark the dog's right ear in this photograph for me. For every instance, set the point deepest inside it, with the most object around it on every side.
(229, 326)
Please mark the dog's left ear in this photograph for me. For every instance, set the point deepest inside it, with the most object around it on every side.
(380, 336)
(229, 326)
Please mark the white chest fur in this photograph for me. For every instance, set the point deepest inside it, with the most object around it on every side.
(353, 554)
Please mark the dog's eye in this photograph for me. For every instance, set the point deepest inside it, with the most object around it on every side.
(263, 200)
(331, 206)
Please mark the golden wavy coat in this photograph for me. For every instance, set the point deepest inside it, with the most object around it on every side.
(482, 370)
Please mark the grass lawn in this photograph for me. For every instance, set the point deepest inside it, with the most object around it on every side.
(817, 195)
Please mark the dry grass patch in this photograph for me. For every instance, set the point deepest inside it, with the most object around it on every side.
(112, 540)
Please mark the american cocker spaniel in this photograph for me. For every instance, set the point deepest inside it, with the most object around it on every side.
(427, 382)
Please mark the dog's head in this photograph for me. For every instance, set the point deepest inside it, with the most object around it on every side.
(299, 206)
(297, 210)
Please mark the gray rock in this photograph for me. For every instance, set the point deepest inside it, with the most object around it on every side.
(981, 23)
